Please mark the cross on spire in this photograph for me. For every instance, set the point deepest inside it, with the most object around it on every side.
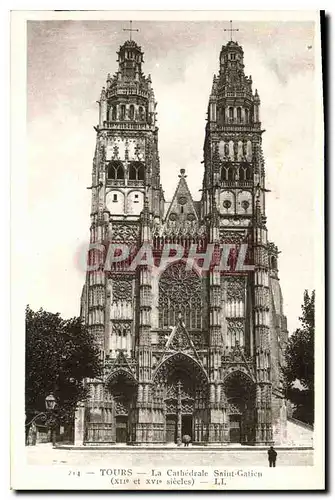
(130, 29)
(231, 30)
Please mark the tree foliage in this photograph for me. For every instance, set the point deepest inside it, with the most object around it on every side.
(60, 354)
(299, 362)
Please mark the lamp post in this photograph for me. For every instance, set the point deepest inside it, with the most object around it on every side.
(50, 403)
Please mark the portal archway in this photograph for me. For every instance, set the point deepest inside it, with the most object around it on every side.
(182, 382)
(121, 386)
(239, 393)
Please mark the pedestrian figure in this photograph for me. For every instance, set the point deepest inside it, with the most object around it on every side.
(186, 439)
(272, 456)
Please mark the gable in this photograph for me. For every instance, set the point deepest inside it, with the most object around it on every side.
(182, 207)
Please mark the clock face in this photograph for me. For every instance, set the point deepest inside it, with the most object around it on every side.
(173, 216)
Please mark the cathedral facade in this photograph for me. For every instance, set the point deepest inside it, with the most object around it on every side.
(186, 349)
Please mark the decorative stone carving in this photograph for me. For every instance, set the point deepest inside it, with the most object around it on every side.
(122, 287)
(235, 287)
(180, 285)
(235, 221)
(180, 297)
(125, 232)
(232, 236)
(121, 406)
(121, 328)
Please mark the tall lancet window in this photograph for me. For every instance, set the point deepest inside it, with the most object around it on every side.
(136, 171)
(180, 296)
(115, 170)
(131, 112)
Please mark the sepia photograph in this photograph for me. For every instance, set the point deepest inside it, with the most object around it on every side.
(172, 318)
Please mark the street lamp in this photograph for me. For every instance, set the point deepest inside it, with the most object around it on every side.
(50, 403)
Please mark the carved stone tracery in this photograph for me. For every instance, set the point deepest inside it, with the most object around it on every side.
(180, 293)
(122, 288)
(125, 232)
(235, 287)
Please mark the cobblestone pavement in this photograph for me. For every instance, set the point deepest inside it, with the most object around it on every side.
(132, 457)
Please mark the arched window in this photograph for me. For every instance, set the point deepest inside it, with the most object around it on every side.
(131, 112)
(123, 112)
(273, 263)
(221, 116)
(114, 113)
(246, 113)
(242, 174)
(141, 113)
(239, 114)
(230, 174)
(180, 295)
(136, 171)
(248, 173)
(231, 112)
(227, 173)
(115, 170)
(223, 173)
(110, 114)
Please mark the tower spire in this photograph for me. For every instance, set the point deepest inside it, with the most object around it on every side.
(231, 29)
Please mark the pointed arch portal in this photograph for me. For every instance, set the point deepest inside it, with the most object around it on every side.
(239, 391)
(183, 384)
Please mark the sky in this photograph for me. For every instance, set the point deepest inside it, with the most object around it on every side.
(67, 65)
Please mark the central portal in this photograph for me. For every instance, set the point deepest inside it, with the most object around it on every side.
(179, 404)
(186, 425)
(182, 386)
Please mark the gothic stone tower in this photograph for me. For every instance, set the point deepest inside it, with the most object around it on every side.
(185, 351)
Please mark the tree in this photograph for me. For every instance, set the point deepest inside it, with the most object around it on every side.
(299, 363)
(60, 354)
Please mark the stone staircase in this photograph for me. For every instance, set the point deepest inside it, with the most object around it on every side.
(299, 433)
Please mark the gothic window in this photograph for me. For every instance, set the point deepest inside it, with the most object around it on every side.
(136, 171)
(273, 263)
(231, 112)
(180, 294)
(246, 113)
(123, 112)
(227, 174)
(239, 114)
(141, 113)
(248, 173)
(230, 174)
(112, 113)
(115, 170)
(221, 116)
(242, 174)
(131, 112)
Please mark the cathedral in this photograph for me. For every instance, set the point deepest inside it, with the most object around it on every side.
(186, 350)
